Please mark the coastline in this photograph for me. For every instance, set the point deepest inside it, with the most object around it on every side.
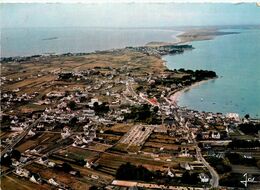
(174, 96)
(189, 35)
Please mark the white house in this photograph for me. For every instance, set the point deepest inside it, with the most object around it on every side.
(204, 178)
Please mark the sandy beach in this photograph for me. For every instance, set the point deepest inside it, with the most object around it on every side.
(174, 97)
(192, 35)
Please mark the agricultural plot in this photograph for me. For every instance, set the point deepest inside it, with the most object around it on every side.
(137, 135)
(74, 153)
(109, 163)
(13, 182)
(60, 176)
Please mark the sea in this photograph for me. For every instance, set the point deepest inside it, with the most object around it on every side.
(235, 58)
(52, 40)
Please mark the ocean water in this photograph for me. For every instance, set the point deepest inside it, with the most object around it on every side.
(236, 60)
(32, 41)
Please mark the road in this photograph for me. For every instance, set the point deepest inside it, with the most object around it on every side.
(214, 175)
(214, 182)
(20, 137)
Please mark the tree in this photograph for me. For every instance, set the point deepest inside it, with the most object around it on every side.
(101, 109)
(236, 158)
(43, 97)
(189, 178)
(16, 154)
(66, 167)
(93, 188)
(155, 109)
(6, 161)
(5, 120)
(73, 121)
(72, 105)
(131, 172)
(247, 116)
(199, 136)
(200, 145)
(249, 128)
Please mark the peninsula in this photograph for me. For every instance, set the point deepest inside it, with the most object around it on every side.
(105, 120)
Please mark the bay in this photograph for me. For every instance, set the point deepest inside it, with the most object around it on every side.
(32, 41)
(236, 60)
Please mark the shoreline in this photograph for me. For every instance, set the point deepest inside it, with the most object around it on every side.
(174, 96)
(182, 37)
(190, 35)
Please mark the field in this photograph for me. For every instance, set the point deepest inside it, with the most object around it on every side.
(13, 182)
(109, 162)
(59, 176)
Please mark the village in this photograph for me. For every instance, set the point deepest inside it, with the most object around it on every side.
(106, 120)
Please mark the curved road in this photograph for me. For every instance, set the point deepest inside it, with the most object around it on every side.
(214, 175)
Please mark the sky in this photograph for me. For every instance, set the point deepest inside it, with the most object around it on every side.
(128, 15)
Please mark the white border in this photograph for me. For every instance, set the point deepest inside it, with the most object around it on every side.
(127, 1)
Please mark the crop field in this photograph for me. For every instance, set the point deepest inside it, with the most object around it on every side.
(31, 108)
(60, 176)
(75, 153)
(109, 163)
(109, 138)
(121, 128)
(40, 140)
(160, 137)
(99, 146)
(29, 144)
(168, 146)
(103, 178)
(14, 182)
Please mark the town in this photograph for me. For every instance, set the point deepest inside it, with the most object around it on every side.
(108, 120)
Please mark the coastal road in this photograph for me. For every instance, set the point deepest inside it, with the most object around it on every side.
(20, 137)
(214, 175)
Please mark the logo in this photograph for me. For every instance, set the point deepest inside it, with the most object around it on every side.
(247, 180)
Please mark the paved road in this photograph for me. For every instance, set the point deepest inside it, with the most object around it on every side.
(214, 175)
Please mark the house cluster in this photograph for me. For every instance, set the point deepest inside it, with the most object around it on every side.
(161, 50)
(9, 99)
(89, 134)
(207, 125)
(36, 178)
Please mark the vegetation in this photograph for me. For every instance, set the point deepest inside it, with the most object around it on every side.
(232, 180)
(6, 159)
(132, 172)
(247, 116)
(200, 74)
(65, 76)
(219, 164)
(72, 105)
(237, 143)
(143, 113)
(249, 128)
(235, 158)
(101, 109)
(189, 178)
